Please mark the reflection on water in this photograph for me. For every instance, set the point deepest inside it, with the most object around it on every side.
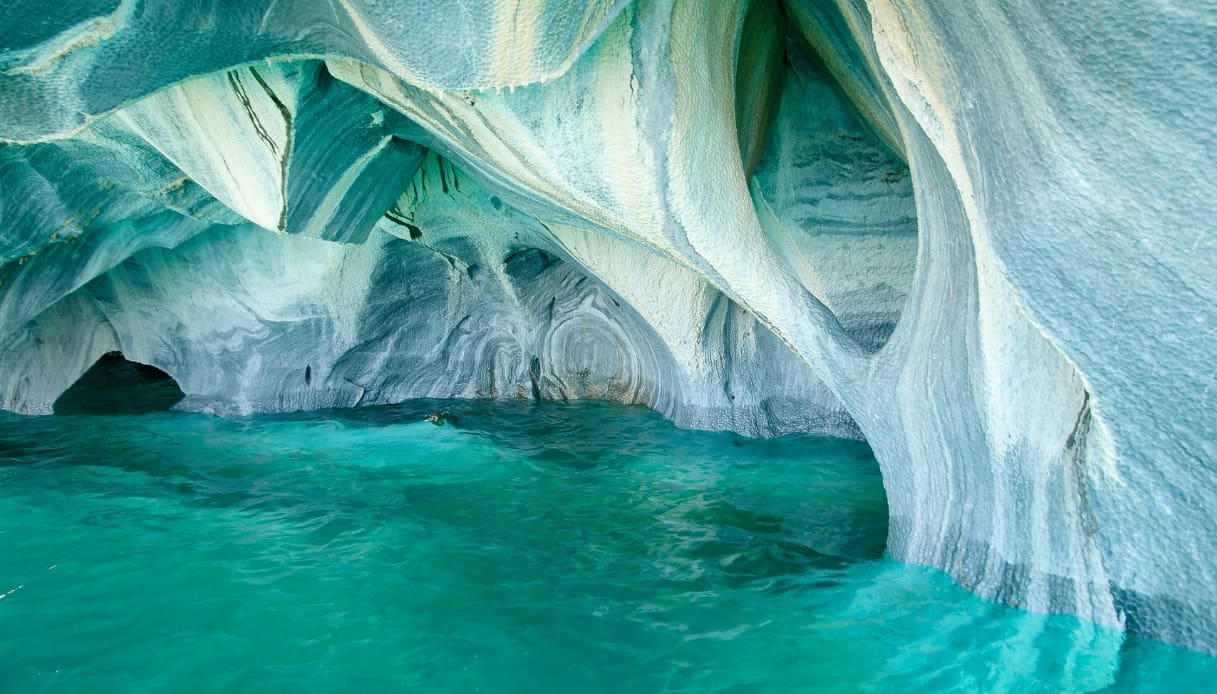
(528, 548)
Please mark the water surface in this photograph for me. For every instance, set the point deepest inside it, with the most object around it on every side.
(553, 548)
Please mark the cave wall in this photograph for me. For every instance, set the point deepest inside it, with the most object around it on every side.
(976, 234)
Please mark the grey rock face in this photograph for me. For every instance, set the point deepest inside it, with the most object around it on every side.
(977, 234)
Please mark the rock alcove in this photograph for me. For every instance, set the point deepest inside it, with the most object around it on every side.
(978, 235)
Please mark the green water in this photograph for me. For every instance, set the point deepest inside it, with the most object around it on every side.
(555, 548)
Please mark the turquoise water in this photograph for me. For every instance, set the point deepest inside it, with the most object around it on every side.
(553, 548)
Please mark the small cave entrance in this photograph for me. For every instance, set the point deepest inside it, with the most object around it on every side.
(116, 385)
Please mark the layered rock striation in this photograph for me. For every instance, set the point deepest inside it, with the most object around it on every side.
(978, 235)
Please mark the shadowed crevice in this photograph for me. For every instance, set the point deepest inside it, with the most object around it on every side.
(115, 385)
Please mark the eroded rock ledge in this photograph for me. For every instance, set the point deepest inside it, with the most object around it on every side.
(979, 235)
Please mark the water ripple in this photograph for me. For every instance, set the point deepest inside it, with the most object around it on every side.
(528, 548)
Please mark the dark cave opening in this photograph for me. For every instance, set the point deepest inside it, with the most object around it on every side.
(116, 385)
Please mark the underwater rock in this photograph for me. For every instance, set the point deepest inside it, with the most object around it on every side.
(978, 235)
(441, 417)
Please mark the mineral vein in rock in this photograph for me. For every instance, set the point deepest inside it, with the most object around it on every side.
(978, 234)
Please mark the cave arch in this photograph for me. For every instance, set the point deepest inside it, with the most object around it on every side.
(117, 385)
(835, 194)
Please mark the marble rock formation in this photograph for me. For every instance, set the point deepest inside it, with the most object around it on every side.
(977, 234)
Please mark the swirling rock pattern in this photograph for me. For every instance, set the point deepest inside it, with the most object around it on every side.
(977, 234)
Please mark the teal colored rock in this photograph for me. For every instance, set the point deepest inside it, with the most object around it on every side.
(979, 235)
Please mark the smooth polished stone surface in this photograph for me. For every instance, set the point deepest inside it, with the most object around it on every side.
(978, 235)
